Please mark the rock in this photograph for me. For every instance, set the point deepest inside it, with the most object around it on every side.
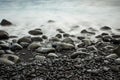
(58, 36)
(54, 39)
(3, 35)
(84, 31)
(80, 45)
(116, 36)
(117, 60)
(37, 39)
(105, 28)
(2, 52)
(44, 37)
(6, 61)
(117, 51)
(63, 46)
(45, 50)
(34, 46)
(115, 68)
(24, 44)
(74, 55)
(52, 55)
(115, 41)
(94, 71)
(16, 46)
(10, 58)
(35, 32)
(9, 52)
(87, 42)
(60, 31)
(80, 37)
(66, 35)
(51, 21)
(104, 34)
(25, 39)
(106, 38)
(68, 40)
(111, 56)
(4, 46)
(5, 22)
(40, 58)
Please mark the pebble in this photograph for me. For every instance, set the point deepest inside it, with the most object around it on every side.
(34, 46)
(52, 55)
(117, 51)
(40, 58)
(45, 50)
(113, 56)
(26, 39)
(2, 52)
(35, 32)
(16, 46)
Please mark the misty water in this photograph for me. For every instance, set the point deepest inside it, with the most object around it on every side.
(31, 14)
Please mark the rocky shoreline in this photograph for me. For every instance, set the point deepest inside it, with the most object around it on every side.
(62, 57)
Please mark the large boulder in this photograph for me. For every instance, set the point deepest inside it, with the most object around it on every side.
(5, 22)
(3, 35)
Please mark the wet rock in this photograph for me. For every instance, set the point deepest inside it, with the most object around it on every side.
(34, 46)
(54, 39)
(3, 35)
(104, 34)
(66, 35)
(94, 71)
(115, 41)
(87, 42)
(68, 40)
(115, 68)
(116, 36)
(37, 39)
(52, 55)
(105, 28)
(111, 56)
(24, 44)
(40, 58)
(63, 46)
(9, 58)
(51, 21)
(80, 37)
(2, 52)
(25, 39)
(58, 36)
(9, 52)
(74, 55)
(35, 32)
(44, 37)
(106, 38)
(117, 60)
(60, 31)
(5, 22)
(45, 50)
(15, 46)
(84, 31)
(117, 51)
(81, 45)
(4, 46)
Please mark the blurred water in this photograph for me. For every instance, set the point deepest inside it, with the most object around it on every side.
(30, 14)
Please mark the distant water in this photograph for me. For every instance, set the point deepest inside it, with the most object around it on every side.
(30, 14)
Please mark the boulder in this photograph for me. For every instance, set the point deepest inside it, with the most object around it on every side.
(35, 32)
(5, 22)
(3, 35)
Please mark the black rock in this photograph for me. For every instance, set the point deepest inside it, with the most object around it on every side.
(37, 39)
(105, 28)
(66, 35)
(58, 36)
(5, 22)
(117, 51)
(3, 35)
(35, 32)
(44, 37)
(80, 37)
(25, 39)
(51, 21)
(84, 31)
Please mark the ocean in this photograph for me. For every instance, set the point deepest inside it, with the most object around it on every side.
(31, 14)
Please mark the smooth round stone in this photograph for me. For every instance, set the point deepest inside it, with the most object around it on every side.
(24, 44)
(68, 40)
(115, 41)
(60, 31)
(44, 37)
(2, 52)
(74, 55)
(84, 31)
(117, 60)
(37, 39)
(45, 50)
(117, 51)
(9, 52)
(52, 55)
(3, 35)
(16, 46)
(66, 35)
(25, 39)
(58, 36)
(54, 39)
(104, 34)
(40, 58)
(34, 46)
(11, 57)
(80, 37)
(4, 46)
(105, 28)
(35, 32)
(6, 61)
(87, 42)
(113, 56)
(63, 46)
(51, 21)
